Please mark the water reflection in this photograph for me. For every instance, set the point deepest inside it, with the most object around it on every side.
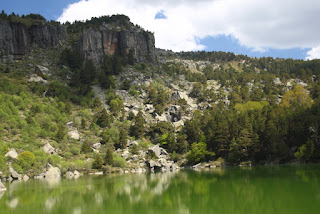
(280, 189)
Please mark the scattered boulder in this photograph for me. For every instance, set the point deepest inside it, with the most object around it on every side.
(69, 175)
(25, 177)
(14, 174)
(53, 172)
(41, 70)
(37, 79)
(96, 146)
(125, 154)
(157, 150)
(12, 154)
(49, 149)
(2, 187)
(74, 134)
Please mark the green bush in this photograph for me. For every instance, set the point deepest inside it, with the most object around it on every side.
(54, 160)
(26, 160)
(118, 161)
(75, 150)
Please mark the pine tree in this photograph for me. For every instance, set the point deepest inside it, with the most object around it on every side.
(97, 163)
(108, 159)
(61, 132)
(138, 127)
(85, 148)
(104, 119)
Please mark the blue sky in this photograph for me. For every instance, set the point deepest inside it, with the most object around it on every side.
(267, 28)
(50, 9)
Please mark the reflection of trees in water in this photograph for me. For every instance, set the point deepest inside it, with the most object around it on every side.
(231, 190)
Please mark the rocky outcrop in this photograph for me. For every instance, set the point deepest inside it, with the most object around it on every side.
(53, 172)
(162, 161)
(14, 174)
(12, 154)
(96, 44)
(17, 38)
(49, 149)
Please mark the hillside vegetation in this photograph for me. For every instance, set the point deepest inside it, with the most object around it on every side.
(198, 106)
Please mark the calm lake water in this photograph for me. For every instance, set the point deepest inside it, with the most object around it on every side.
(261, 189)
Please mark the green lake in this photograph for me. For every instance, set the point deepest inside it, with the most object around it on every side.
(262, 189)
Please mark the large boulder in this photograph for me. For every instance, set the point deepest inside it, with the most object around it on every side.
(69, 175)
(41, 70)
(157, 150)
(53, 172)
(74, 134)
(96, 146)
(12, 154)
(49, 149)
(14, 174)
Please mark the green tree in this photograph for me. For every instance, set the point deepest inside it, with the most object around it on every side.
(85, 147)
(198, 153)
(104, 119)
(61, 133)
(138, 128)
(108, 159)
(88, 72)
(97, 163)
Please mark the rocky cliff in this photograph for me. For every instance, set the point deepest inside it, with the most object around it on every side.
(17, 38)
(95, 44)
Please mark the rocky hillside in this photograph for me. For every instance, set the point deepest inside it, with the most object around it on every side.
(97, 96)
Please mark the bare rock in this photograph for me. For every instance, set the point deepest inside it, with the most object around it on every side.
(125, 154)
(12, 154)
(74, 134)
(37, 79)
(96, 146)
(53, 172)
(49, 149)
(14, 174)
(69, 175)
(25, 177)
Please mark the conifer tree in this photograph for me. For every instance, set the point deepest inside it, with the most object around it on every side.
(108, 159)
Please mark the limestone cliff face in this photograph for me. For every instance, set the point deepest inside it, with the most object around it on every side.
(17, 39)
(95, 44)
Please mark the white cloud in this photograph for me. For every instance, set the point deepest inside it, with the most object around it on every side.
(314, 53)
(256, 24)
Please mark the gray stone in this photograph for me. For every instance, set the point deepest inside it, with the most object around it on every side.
(157, 150)
(37, 79)
(49, 149)
(41, 70)
(74, 134)
(53, 172)
(14, 174)
(25, 177)
(12, 154)
(125, 154)
(69, 175)
(96, 145)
